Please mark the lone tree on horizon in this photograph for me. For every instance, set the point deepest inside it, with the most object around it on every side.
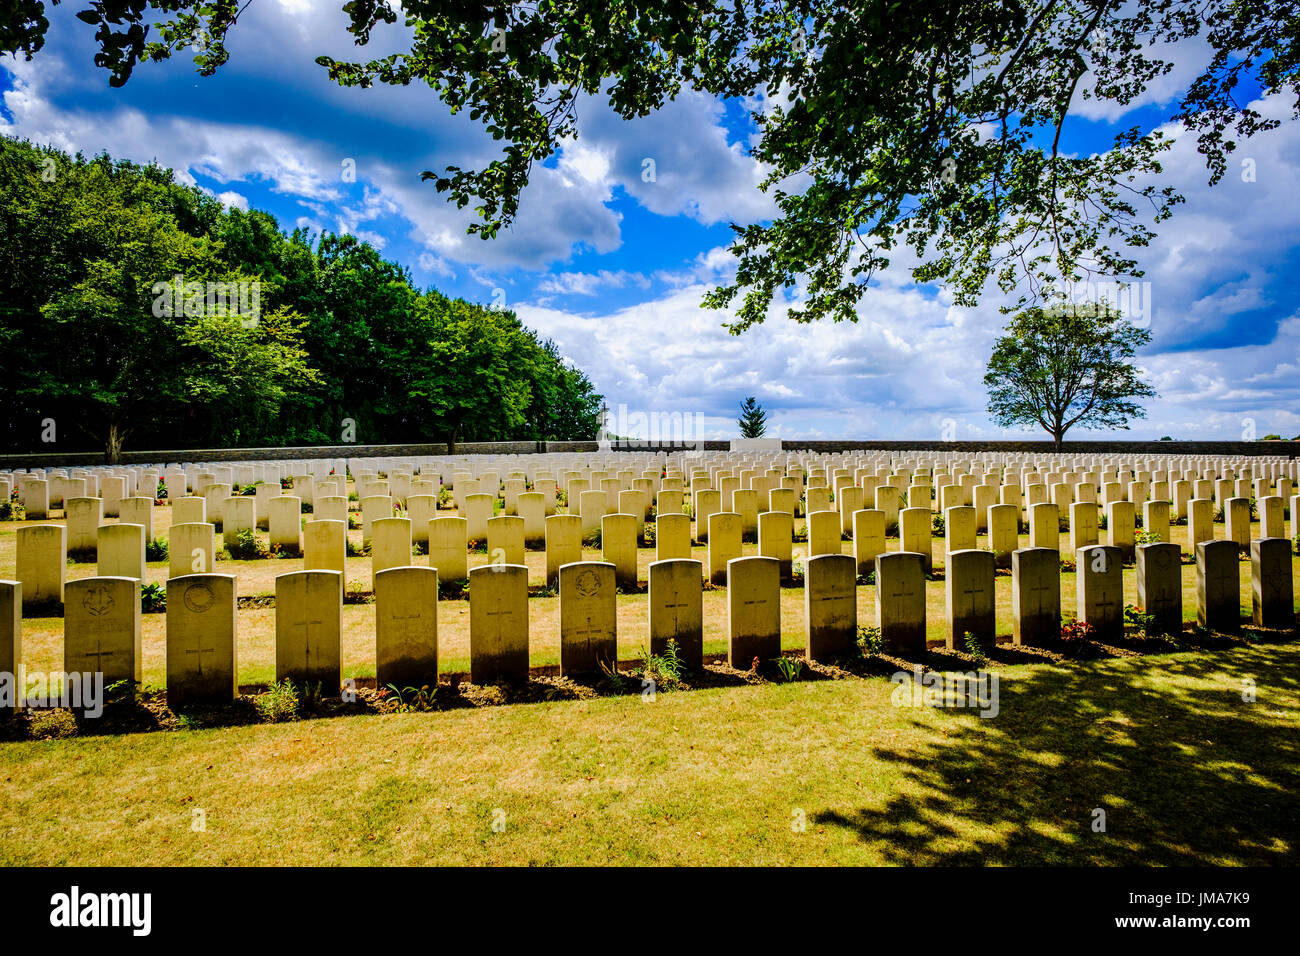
(752, 420)
(1064, 366)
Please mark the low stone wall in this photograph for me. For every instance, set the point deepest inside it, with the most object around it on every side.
(1285, 449)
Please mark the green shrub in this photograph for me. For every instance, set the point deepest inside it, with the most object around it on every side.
(664, 669)
(157, 550)
(1138, 619)
(279, 702)
(870, 640)
(153, 598)
(247, 546)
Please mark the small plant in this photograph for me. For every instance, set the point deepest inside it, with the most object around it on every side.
(12, 510)
(1295, 543)
(939, 525)
(353, 550)
(247, 546)
(1146, 537)
(157, 550)
(612, 674)
(592, 540)
(280, 702)
(973, 647)
(354, 592)
(664, 669)
(870, 640)
(415, 699)
(1138, 619)
(789, 669)
(153, 598)
(1075, 632)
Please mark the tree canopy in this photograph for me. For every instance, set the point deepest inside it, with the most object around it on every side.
(927, 130)
(1063, 366)
(319, 341)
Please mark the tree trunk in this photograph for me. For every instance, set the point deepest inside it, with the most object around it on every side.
(451, 439)
(113, 444)
(1057, 435)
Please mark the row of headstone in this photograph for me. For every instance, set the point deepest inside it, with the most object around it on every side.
(102, 614)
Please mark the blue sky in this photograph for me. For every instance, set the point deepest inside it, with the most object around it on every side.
(613, 267)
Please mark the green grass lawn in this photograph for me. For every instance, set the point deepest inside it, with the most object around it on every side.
(1186, 771)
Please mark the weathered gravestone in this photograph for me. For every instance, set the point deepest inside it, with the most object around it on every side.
(776, 539)
(830, 606)
(42, 564)
(101, 628)
(676, 600)
(916, 531)
(191, 549)
(1045, 527)
(900, 602)
(121, 551)
(12, 668)
(1160, 584)
(1035, 596)
(618, 533)
(563, 545)
(498, 623)
(84, 518)
(1200, 522)
(308, 629)
(1004, 532)
(1218, 585)
(189, 511)
(1100, 588)
(725, 543)
(324, 545)
(448, 541)
(202, 624)
(138, 511)
(1272, 587)
(390, 544)
(406, 627)
(753, 610)
(823, 533)
(672, 537)
(968, 586)
(284, 520)
(869, 537)
(959, 528)
(588, 617)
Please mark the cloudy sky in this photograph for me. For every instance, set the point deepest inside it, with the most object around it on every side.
(613, 268)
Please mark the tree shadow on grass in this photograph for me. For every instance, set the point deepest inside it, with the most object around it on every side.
(1186, 775)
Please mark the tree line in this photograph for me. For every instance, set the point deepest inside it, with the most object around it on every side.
(136, 310)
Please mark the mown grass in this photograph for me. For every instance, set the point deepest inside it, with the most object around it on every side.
(1186, 771)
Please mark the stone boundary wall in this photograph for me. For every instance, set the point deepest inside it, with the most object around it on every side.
(1284, 449)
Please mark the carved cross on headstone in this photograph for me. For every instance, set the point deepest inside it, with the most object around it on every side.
(99, 654)
(200, 650)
